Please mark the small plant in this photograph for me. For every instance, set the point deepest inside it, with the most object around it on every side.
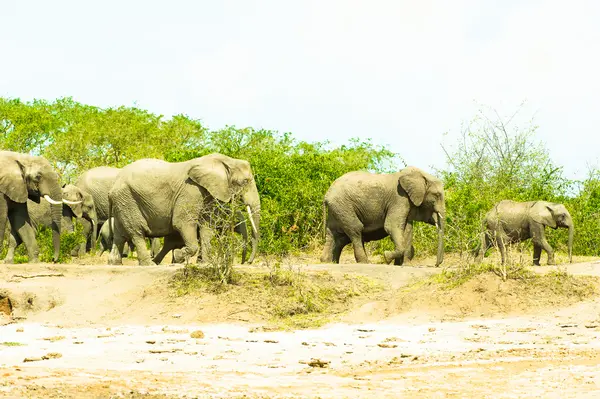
(11, 344)
(287, 297)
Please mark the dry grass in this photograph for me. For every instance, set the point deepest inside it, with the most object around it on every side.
(482, 291)
(286, 297)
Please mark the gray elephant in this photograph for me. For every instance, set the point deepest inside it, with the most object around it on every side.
(23, 177)
(205, 235)
(155, 198)
(78, 205)
(98, 182)
(512, 222)
(361, 207)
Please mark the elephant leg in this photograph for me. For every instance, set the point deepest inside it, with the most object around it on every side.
(13, 242)
(339, 242)
(501, 241)
(538, 238)
(206, 235)
(143, 255)
(327, 255)
(19, 222)
(155, 246)
(399, 234)
(537, 254)
(118, 244)
(543, 244)
(410, 250)
(189, 236)
(170, 244)
(352, 227)
(87, 232)
(360, 255)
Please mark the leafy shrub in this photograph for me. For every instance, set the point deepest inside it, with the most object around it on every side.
(68, 242)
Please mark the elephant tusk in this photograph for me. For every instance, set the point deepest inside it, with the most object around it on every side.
(50, 200)
(71, 202)
(251, 220)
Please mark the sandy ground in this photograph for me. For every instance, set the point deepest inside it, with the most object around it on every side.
(100, 331)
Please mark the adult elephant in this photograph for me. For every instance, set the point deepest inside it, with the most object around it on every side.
(174, 242)
(97, 182)
(361, 207)
(154, 198)
(78, 205)
(22, 177)
(512, 222)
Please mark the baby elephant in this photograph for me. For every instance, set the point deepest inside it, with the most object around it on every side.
(511, 222)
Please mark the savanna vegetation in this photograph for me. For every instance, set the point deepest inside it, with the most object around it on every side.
(494, 159)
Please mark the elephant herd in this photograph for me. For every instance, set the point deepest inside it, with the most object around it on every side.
(146, 199)
(151, 198)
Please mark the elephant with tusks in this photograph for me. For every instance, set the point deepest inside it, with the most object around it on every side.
(23, 177)
(155, 198)
(76, 205)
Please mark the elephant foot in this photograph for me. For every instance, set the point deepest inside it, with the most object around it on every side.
(537, 263)
(147, 263)
(114, 260)
(551, 263)
(8, 261)
(389, 256)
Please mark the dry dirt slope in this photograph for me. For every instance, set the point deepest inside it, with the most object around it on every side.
(116, 332)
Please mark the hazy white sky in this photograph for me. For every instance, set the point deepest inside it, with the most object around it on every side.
(400, 72)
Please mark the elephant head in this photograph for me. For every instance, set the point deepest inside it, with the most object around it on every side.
(81, 205)
(24, 176)
(554, 216)
(225, 178)
(426, 194)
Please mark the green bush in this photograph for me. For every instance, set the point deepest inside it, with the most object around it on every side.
(494, 159)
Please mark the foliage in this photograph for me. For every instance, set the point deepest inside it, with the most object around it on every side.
(585, 210)
(494, 159)
(292, 176)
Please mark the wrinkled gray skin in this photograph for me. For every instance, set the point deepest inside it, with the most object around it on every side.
(23, 177)
(205, 234)
(105, 240)
(98, 182)
(362, 207)
(154, 198)
(76, 204)
(511, 222)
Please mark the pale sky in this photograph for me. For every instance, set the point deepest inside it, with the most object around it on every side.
(400, 72)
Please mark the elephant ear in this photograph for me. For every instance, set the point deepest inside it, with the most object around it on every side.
(414, 183)
(12, 182)
(544, 215)
(212, 175)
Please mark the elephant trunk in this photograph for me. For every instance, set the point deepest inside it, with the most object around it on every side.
(56, 212)
(441, 221)
(252, 201)
(570, 243)
(92, 217)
